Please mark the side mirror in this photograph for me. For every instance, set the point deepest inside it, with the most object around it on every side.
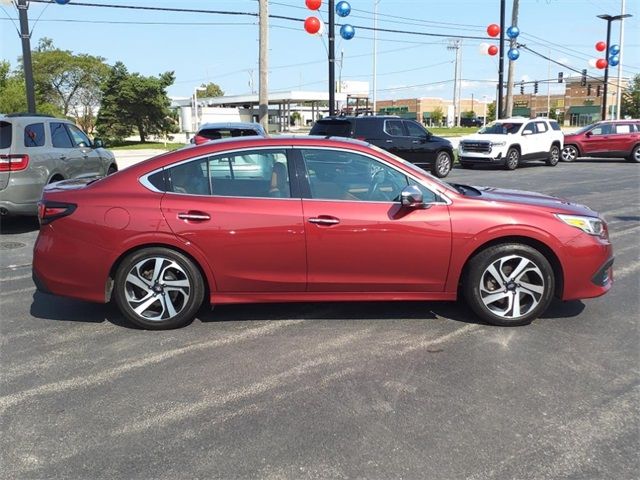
(527, 132)
(411, 197)
(97, 143)
(588, 134)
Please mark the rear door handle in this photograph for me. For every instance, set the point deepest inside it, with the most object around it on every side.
(389, 141)
(63, 157)
(194, 216)
(324, 220)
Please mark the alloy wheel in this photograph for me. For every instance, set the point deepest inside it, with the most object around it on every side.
(569, 153)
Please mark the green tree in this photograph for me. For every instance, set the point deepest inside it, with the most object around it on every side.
(69, 81)
(469, 114)
(131, 101)
(491, 112)
(437, 115)
(13, 97)
(631, 99)
(211, 90)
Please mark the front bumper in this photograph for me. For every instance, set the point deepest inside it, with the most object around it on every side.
(588, 267)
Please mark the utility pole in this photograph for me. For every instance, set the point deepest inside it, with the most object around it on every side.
(512, 65)
(455, 45)
(263, 94)
(26, 55)
(332, 58)
(621, 43)
(499, 109)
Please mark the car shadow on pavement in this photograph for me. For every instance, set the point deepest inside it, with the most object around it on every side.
(16, 225)
(49, 307)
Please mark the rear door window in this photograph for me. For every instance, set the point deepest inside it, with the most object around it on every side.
(34, 135)
(6, 132)
(394, 128)
(59, 136)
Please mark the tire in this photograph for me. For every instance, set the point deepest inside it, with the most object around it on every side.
(635, 155)
(442, 165)
(512, 159)
(491, 290)
(554, 156)
(145, 275)
(569, 153)
(112, 169)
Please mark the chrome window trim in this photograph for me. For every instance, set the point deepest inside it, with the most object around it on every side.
(144, 180)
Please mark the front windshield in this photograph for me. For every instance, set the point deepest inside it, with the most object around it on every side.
(415, 168)
(501, 128)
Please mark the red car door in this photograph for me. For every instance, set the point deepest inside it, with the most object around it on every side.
(233, 209)
(598, 139)
(359, 239)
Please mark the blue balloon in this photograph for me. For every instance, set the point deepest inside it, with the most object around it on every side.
(614, 60)
(62, 2)
(513, 54)
(513, 32)
(347, 32)
(614, 49)
(343, 8)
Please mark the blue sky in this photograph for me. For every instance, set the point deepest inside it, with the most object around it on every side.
(223, 49)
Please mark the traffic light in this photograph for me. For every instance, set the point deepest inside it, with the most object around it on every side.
(535, 87)
(522, 88)
(583, 80)
(560, 75)
(589, 90)
(598, 91)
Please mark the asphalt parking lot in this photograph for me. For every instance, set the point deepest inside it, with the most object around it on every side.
(321, 391)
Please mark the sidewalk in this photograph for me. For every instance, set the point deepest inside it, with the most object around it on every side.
(126, 158)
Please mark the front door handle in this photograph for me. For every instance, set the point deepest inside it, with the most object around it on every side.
(324, 220)
(194, 216)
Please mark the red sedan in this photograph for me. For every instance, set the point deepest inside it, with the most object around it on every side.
(310, 219)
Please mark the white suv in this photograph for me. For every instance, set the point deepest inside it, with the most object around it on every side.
(510, 141)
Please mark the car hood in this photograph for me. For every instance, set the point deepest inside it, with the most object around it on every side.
(534, 199)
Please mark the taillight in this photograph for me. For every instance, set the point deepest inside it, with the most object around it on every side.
(13, 163)
(50, 211)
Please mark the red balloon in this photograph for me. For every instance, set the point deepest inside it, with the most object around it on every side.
(492, 50)
(601, 63)
(312, 25)
(601, 46)
(313, 4)
(493, 30)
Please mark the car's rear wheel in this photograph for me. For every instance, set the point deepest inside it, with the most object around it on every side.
(509, 284)
(158, 288)
(442, 165)
(635, 154)
(512, 160)
(554, 156)
(569, 153)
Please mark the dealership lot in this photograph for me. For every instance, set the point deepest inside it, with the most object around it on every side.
(365, 390)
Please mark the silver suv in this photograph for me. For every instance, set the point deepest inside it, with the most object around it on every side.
(36, 150)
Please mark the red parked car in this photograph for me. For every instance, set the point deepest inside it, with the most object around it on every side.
(315, 220)
(607, 139)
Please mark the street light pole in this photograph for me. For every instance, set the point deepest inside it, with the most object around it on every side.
(332, 58)
(500, 113)
(609, 19)
(375, 54)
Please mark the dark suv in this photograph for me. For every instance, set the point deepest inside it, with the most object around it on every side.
(404, 138)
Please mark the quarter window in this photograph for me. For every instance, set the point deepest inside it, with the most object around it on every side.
(339, 175)
(34, 135)
(59, 136)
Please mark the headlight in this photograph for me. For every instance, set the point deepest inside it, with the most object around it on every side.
(498, 144)
(591, 225)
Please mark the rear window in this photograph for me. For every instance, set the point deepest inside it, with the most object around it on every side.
(217, 133)
(34, 135)
(332, 128)
(6, 131)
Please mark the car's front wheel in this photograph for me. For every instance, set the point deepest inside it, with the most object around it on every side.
(158, 288)
(635, 154)
(509, 284)
(554, 156)
(569, 153)
(442, 165)
(512, 160)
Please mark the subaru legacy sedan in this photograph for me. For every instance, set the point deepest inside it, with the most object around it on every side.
(319, 220)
